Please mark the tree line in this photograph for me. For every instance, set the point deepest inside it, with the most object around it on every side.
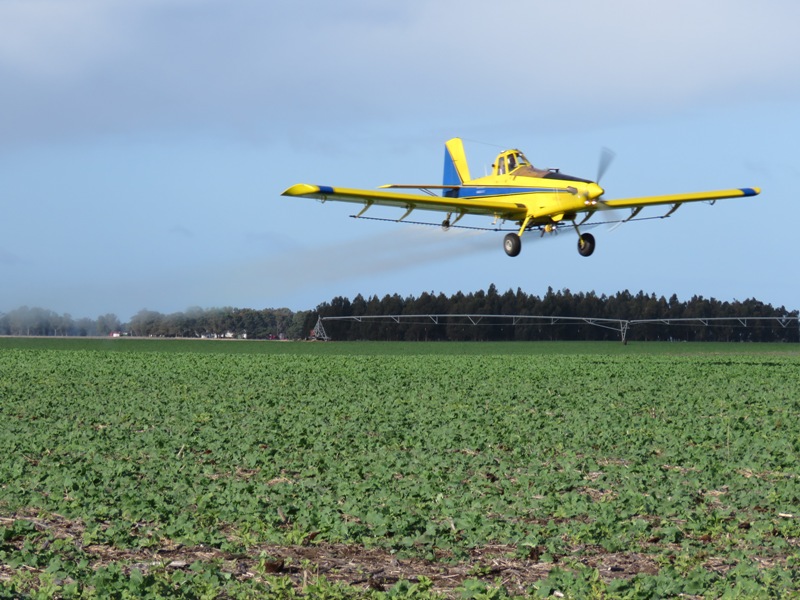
(195, 322)
(622, 305)
(37, 321)
(268, 323)
(283, 323)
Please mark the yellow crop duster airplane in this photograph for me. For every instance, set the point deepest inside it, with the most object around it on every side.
(533, 198)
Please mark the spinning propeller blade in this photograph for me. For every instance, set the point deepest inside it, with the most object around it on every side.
(606, 158)
(613, 217)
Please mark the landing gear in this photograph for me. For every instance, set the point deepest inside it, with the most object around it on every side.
(446, 225)
(585, 244)
(512, 244)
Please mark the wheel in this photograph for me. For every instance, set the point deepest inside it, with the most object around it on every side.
(512, 244)
(586, 244)
(445, 224)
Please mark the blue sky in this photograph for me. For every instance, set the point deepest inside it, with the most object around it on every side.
(144, 145)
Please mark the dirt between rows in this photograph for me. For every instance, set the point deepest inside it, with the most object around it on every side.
(353, 565)
(379, 569)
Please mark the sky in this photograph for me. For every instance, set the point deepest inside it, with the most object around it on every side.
(144, 146)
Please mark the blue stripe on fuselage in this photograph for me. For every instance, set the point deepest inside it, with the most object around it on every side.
(488, 192)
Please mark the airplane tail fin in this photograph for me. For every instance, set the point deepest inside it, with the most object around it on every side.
(456, 170)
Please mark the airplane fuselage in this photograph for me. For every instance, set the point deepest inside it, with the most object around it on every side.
(547, 200)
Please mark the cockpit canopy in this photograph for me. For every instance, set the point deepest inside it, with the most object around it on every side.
(513, 162)
(509, 161)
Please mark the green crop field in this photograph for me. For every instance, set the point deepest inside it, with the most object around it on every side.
(177, 468)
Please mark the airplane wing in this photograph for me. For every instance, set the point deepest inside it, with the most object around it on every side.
(677, 199)
(496, 207)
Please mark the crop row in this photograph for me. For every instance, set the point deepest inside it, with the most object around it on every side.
(691, 461)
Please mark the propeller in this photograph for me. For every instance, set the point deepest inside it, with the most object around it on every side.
(612, 215)
(606, 158)
(593, 192)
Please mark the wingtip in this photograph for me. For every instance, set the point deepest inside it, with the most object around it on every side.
(300, 189)
(751, 191)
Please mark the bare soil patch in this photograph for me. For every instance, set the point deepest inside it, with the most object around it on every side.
(352, 565)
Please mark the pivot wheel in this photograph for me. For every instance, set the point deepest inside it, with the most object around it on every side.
(446, 225)
(586, 244)
(512, 244)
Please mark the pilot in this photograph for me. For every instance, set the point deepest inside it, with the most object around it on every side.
(512, 163)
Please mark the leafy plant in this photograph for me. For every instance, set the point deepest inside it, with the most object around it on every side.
(681, 457)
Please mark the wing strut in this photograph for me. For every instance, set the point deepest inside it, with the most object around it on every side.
(367, 205)
(636, 211)
(675, 207)
(411, 208)
(461, 213)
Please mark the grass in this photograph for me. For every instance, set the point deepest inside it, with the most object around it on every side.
(392, 348)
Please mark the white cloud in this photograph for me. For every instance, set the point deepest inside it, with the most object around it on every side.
(97, 66)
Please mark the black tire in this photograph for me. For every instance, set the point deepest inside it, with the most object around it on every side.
(586, 244)
(446, 225)
(512, 244)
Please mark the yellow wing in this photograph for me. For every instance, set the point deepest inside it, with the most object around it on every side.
(497, 207)
(678, 199)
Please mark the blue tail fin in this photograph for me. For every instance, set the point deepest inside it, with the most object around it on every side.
(456, 171)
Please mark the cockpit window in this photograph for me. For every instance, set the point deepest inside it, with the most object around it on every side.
(513, 162)
(521, 160)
